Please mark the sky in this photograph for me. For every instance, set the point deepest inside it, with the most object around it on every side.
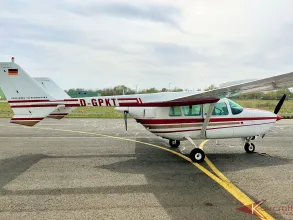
(188, 44)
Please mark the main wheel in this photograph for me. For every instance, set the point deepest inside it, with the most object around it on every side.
(249, 148)
(174, 143)
(197, 155)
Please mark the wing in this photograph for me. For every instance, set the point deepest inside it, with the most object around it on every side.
(192, 98)
(137, 102)
(272, 83)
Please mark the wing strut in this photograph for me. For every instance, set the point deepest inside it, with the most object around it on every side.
(207, 120)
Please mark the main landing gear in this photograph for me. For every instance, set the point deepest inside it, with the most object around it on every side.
(174, 143)
(197, 155)
(249, 147)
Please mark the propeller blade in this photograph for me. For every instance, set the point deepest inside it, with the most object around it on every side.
(279, 105)
(125, 119)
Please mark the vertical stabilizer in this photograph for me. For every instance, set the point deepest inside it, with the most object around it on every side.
(26, 97)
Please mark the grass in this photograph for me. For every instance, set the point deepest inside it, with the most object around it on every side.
(268, 105)
(94, 112)
(5, 110)
(109, 112)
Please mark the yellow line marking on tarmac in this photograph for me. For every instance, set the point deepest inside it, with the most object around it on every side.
(202, 144)
(212, 166)
(235, 191)
(221, 180)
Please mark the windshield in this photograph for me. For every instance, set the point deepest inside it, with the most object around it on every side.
(235, 108)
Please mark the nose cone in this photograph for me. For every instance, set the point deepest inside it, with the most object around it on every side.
(279, 117)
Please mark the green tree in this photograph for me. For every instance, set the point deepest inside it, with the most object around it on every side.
(177, 89)
(150, 90)
(210, 87)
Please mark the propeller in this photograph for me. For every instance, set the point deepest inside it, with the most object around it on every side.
(125, 119)
(279, 105)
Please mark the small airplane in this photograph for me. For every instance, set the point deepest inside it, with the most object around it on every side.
(175, 116)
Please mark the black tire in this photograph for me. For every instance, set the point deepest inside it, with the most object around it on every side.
(197, 155)
(174, 143)
(249, 148)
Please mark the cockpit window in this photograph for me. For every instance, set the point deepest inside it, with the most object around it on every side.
(235, 108)
(219, 109)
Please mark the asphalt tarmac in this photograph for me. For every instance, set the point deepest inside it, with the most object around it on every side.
(67, 170)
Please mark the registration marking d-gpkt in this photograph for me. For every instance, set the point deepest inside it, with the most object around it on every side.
(220, 178)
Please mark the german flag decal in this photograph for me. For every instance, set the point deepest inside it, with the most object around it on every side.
(12, 72)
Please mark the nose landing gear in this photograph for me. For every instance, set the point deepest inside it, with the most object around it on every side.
(249, 148)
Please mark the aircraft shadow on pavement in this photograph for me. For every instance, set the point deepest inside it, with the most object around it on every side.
(241, 161)
(10, 168)
(182, 190)
(230, 161)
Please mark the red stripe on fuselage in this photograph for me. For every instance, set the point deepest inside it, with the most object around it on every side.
(194, 120)
(28, 100)
(174, 131)
(41, 100)
(169, 121)
(236, 126)
(72, 105)
(71, 100)
(127, 99)
(43, 106)
(242, 119)
(34, 106)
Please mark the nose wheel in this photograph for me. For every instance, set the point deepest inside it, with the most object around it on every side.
(249, 147)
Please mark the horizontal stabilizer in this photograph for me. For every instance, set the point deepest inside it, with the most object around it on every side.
(54, 90)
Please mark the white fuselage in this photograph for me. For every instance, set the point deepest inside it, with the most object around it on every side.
(247, 123)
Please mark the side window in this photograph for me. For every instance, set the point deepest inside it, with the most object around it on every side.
(220, 109)
(175, 111)
(192, 110)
